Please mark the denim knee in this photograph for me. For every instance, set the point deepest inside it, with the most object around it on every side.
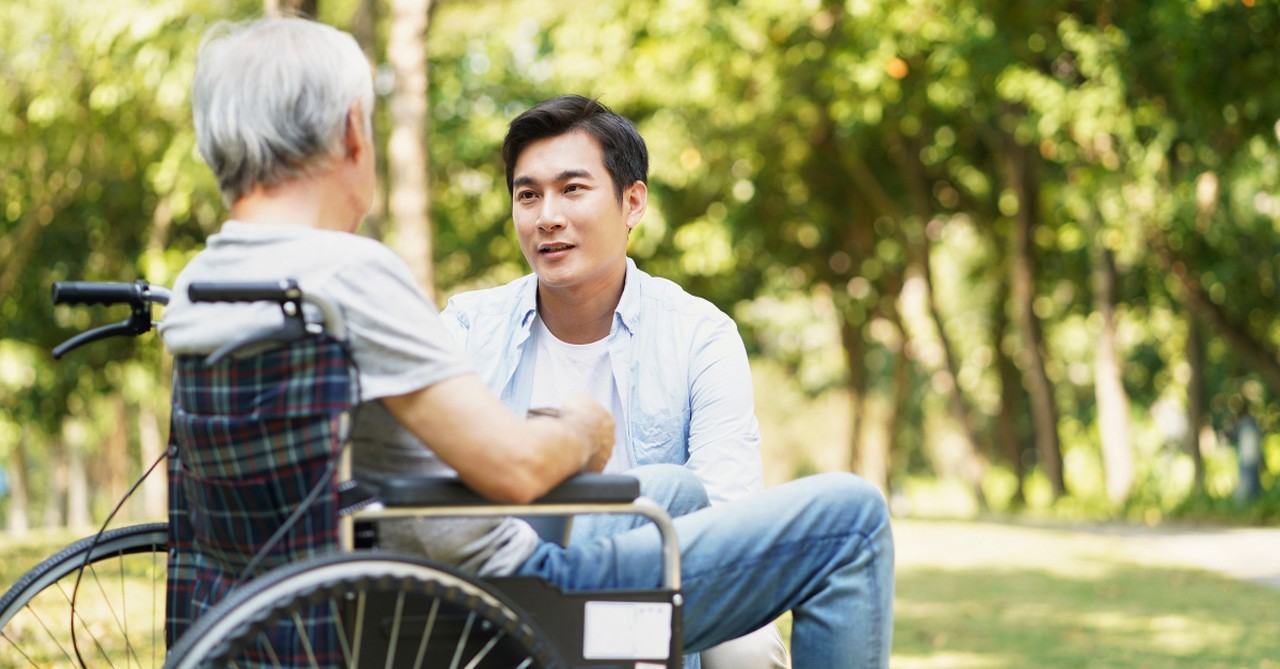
(673, 487)
(851, 496)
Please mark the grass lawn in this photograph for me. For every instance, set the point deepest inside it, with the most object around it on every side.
(1004, 596)
(994, 596)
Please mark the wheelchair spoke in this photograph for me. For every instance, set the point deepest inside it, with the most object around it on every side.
(344, 644)
(484, 651)
(462, 640)
(426, 633)
(395, 631)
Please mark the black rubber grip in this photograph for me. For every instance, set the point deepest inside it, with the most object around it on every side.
(93, 292)
(401, 491)
(243, 291)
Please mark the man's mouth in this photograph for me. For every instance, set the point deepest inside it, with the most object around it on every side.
(552, 248)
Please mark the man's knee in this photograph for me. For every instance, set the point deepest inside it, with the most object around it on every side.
(851, 496)
(672, 487)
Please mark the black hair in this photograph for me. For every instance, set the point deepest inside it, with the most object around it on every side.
(625, 155)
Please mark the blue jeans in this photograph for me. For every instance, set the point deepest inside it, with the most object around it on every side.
(820, 547)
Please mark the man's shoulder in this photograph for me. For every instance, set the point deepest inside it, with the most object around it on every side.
(666, 296)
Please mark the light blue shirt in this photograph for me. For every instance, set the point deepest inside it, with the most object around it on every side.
(679, 363)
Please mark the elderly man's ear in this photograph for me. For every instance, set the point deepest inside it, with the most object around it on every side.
(357, 140)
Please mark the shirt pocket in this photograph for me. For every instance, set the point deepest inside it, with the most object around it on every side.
(661, 440)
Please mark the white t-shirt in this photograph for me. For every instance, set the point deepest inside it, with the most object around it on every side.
(561, 369)
(399, 343)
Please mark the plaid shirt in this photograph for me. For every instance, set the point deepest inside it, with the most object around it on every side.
(249, 440)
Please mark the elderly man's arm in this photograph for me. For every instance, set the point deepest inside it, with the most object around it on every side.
(500, 455)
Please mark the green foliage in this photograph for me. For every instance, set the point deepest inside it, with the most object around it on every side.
(100, 182)
(807, 160)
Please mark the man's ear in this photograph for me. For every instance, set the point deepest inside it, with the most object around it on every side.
(356, 139)
(635, 200)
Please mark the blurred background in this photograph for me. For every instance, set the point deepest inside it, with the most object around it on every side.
(1005, 259)
(1013, 261)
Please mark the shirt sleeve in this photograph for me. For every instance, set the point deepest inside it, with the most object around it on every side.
(401, 343)
(724, 435)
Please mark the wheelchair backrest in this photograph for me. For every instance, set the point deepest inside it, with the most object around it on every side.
(253, 477)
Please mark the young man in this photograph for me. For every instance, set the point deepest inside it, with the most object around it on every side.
(281, 112)
(672, 367)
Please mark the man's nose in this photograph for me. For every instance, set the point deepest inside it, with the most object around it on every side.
(551, 214)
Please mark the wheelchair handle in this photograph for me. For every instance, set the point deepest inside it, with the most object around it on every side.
(284, 292)
(244, 291)
(139, 295)
(94, 292)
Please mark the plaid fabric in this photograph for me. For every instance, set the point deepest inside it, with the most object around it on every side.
(249, 440)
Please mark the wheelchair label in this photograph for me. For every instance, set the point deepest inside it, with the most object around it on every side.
(626, 631)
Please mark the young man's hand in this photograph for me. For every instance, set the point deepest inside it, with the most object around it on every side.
(595, 423)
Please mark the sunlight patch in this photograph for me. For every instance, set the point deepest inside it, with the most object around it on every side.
(950, 661)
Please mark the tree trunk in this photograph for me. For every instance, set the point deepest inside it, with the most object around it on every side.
(1195, 396)
(76, 481)
(976, 463)
(1011, 405)
(19, 522)
(916, 178)
(55, 500)
(1032, 356)
(114, 458)
(1258, 355)
(1113, 402)
(898, 401)
(854, 351)
(155, 491)
(410, 191)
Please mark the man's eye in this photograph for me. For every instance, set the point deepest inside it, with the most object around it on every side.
(572, 187)
(524, 195)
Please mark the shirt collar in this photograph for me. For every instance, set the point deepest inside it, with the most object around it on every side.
(627, 311)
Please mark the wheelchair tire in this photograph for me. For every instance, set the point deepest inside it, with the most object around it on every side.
(390, 611)
(119, 608)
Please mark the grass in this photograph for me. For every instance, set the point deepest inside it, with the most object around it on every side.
(974, 595)
(990, 596)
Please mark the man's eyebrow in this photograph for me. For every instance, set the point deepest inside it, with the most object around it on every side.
(566, 175)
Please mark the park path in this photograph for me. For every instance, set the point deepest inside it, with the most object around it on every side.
(1248, 554)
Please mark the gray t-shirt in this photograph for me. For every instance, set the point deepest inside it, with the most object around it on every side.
(399, 343)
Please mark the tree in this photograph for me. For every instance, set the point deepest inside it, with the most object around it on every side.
(407, 170)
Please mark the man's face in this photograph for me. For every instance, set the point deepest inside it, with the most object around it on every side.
(572, 228)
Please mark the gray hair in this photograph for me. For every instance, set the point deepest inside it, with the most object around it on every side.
(270, 100)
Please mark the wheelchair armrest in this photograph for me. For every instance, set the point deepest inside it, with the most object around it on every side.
(449, 491)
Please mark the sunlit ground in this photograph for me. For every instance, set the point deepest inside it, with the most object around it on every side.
(984, 595)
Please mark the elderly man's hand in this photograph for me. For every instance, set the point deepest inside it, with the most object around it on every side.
(595, 423)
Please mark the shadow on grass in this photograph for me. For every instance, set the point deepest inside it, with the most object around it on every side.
(1129, 617)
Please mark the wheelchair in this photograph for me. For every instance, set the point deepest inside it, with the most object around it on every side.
(270, 555)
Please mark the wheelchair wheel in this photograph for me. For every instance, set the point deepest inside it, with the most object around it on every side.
(119, 609)
(364, 609)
